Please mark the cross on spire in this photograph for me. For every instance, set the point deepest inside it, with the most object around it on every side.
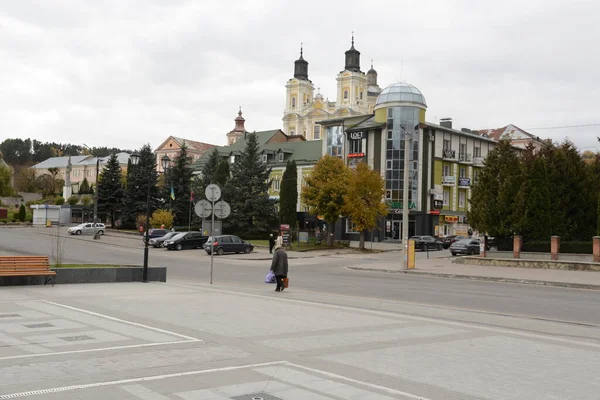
(352, 38)
(301, 48)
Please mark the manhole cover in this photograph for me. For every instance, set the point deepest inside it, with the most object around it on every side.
(9, 315)
(76, 338)
(45, 325)
(256, 396)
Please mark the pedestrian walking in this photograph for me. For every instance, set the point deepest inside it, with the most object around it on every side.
(279, 266)
(271, 243)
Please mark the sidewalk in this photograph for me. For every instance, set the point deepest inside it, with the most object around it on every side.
(443, 267)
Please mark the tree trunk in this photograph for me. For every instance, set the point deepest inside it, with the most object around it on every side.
(361, 244)
(330, 233)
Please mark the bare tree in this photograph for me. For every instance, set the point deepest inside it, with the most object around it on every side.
(57, 249)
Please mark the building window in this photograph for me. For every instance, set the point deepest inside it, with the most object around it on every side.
(462, 149)
(447, 145)
(350, 226)
(293, 102)
(280, 157)
(276, 184)
(356, 146)
(446, 169)
(477, 151)
(461, 199)
(231, 159)
(317, 132)
(345, 94)
(361, 94)
(462, 173)
(388, 194)
(446, 197)
(263, 158)
(475, 176)
(335, 141)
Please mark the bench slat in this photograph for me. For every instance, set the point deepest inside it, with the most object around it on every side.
(25, 266)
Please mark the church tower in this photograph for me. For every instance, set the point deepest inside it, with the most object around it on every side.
(238, 131)
(352, 84)
(373, 89)
(299, 95)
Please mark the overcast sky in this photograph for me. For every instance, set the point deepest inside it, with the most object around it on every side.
(125, 73)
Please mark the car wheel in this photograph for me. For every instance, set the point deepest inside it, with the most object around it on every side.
(78, 233)
(220, 251)
(247, 250)
(179, 246)
(100, 233)
(440, 247)
(208, 252)
(470, 252)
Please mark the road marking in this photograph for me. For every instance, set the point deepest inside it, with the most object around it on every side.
(133, 346)
(207, 371)
(135, 380)
(403, 315)
(123, 321)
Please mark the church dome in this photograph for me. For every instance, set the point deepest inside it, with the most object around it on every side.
(400, 92)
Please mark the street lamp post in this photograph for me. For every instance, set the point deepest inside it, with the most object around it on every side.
(96, 235)
(165, 160)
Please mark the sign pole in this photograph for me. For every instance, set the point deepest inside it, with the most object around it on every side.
(212, 230)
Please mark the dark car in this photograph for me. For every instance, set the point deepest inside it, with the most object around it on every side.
(185, 240)
(227, 244)
(427, 243)
(448, 240)
(159, 241)
(465, 246)
(155, 233)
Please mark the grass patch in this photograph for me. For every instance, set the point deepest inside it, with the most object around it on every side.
(88, 266)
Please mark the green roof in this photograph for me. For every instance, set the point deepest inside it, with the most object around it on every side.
(308, 152)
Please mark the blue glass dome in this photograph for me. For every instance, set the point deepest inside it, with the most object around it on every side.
(400, 91)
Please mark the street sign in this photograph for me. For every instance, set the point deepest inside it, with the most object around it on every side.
(213, 192)
(203, 208)
(222, 209)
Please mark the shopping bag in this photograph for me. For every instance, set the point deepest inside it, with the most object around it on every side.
(286, 282)
(270, 278)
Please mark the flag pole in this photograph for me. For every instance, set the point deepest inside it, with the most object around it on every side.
(190, 218)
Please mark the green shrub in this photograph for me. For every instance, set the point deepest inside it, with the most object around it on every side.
(73, 200)
(15, 216)
(86, 200)
(22, 213)
(59, 200)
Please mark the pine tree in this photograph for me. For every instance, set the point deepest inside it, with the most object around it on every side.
(179, 177)
(288, 195)
(110, 189)
(325, 189)
(493, 207)
(222, 174)
(84, 188)
(362, 203)
(139, 178)
(210, 168)
(252, 211)
(22, 213)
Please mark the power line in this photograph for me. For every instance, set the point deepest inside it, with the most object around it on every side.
(563, 127)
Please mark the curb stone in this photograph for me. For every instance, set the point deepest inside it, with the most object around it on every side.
(488, 278)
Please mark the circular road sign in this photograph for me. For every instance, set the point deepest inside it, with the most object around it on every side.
(222, 209)
(203, 209)
(213, 192)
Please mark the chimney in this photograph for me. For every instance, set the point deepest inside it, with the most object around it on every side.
(446, 122)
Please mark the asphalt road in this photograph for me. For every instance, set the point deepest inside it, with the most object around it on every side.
(326, 274)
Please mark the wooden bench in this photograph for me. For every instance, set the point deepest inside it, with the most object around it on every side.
(27, 266)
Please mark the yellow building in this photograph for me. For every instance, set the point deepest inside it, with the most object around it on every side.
(172, 145)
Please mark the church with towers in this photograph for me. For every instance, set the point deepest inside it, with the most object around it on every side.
(356, 95)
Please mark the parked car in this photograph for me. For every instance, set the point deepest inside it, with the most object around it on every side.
(465, 246)
(87, 229)
(155, 233)
(427, 243)
(227, 244)
(185, 240)
(448, 240)
(159, 241)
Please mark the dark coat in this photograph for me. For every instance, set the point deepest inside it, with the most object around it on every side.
(279, 265)
(271, 242)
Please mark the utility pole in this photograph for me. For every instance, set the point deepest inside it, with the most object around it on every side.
(405, 199)
(96, 235)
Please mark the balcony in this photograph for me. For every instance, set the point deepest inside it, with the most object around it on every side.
(464, 158)
(478, 161)
(464, 182)
(449, 154)
(448, 180)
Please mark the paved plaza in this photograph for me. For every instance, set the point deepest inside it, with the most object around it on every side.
(193, 341)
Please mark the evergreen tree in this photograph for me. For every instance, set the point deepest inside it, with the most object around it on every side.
(222, 174)
(110, 189)
(252, 211)
(288, 195)
(493, 207)
(84, 188)
(139, 178)
(210, 168)
(179, 177)
(22, 213)
(325, 189)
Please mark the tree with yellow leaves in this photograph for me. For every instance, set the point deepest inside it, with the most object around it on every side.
(363, 202)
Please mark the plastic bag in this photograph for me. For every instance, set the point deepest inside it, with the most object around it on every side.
(270, 278)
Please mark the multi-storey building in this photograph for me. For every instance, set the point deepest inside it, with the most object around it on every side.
(172, 146)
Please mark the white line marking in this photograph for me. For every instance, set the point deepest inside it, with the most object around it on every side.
(123, 321)
(399, 314)
(135, 380)
(356, 381)
(133, 346)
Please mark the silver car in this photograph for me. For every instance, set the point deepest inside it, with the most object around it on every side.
(87, 229)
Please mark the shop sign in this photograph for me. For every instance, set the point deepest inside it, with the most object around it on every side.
(356, 155)
(434, 212)
(400, 205)
(464, 182)
(356, 135)
(451, 218)
(438, 204)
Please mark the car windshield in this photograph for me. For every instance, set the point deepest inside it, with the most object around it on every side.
(170, 235)
(178, 236)
(463, 241)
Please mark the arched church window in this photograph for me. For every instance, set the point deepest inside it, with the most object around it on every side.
(345, 94)
(293, 102)
(361, 95)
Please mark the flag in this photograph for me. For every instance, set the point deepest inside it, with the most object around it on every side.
(191, 196)
(172, 193)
